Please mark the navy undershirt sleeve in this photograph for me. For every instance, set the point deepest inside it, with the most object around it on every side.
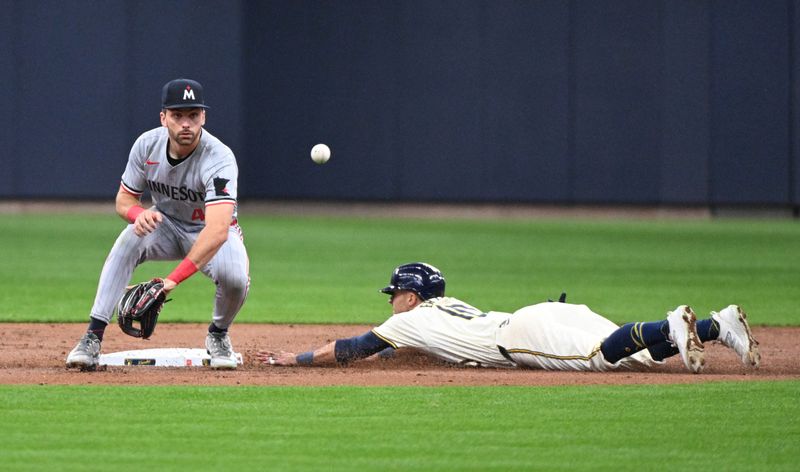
(358, 347)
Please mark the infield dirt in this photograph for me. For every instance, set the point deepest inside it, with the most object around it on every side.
(35, 354)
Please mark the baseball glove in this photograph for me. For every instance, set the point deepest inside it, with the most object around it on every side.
(141, 303)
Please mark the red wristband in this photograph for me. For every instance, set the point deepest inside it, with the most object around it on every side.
(133, 212)
(184, 270)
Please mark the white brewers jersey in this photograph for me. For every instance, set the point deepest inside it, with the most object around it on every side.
(206, 177)
(449, 329)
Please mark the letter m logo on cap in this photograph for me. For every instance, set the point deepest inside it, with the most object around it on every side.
(188, 94)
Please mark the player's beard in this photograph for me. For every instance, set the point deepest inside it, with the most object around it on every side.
(183, 143)
(185, 137)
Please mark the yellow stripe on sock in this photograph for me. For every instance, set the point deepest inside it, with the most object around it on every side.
(636, 335)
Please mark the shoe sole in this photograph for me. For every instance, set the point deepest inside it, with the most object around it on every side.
(750, 357)
(222, 365)
(692, 352)
(83, 366)
(694, 346)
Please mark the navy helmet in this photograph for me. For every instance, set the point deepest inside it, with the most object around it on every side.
(423, 279)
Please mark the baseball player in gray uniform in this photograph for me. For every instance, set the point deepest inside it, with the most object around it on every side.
(192, 180)
(551, 335)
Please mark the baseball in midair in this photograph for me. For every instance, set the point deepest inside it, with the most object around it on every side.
(320, 153)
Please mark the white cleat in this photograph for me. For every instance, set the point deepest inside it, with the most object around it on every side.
(683, 334)
(735, 333)
(220, 349)
(86, 354)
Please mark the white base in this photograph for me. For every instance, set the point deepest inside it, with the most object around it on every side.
(162, 357)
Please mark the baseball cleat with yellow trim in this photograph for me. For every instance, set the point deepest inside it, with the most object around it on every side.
(683, 334)
(734, 332)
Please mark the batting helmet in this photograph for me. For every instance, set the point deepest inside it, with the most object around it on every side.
(423, 279)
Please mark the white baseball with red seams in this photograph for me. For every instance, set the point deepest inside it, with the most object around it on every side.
(181, 191)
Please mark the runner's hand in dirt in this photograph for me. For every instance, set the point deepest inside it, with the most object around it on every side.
(277, 358)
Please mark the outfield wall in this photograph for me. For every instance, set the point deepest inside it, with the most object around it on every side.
(645, 102)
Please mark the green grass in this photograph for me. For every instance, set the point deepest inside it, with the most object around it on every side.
(727, 426)
(328, 270)
(314, 269)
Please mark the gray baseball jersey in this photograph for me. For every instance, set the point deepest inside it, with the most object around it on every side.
(181, 192)
(207, 177)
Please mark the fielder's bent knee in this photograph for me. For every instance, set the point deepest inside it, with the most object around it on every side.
(233, 284)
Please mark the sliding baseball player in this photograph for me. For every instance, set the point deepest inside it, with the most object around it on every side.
(551, 335)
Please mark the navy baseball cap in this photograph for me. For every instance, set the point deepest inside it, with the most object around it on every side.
(182, 93)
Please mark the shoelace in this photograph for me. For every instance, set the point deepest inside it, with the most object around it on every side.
(89, 345)
(221, 346)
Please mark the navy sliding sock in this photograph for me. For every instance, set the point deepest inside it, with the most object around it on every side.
(708, 329)
(661, 351)
(632, 338)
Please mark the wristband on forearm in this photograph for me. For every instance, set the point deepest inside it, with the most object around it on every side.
(133, 212)
(305, 358)
(184, 270)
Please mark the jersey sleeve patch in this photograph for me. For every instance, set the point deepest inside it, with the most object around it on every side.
(219, 187)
